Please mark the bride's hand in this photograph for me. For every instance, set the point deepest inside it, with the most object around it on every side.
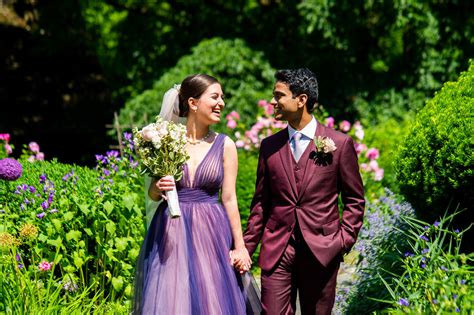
(164, 184)
(241, 260)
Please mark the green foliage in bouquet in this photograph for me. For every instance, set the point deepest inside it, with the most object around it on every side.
(435, 162)
(245, 75)
(161, 147)
(437, 278)
(73, 225)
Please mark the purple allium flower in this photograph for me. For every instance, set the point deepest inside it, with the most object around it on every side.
(443, 268)
(32, 189)
(41, 215)
(403, 302)
(42, 178)
(424, 238)
(10, 169)
(436, 224)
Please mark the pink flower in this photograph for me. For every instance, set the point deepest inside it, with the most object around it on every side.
(231, 124)
(31, 158)
(269, 110)
(262, 103)
(235, 115)
(344, 126)
(330, 122)
(40, 156)
(5, 136)
(8, 148)
(237, 135)
(378, 176)
(45, 266)
(360, 147)
(34, 147)
(374, 166)
(372, 154)
(239, 144)
(364, 167)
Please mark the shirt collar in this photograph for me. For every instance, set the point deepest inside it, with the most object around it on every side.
(308, 131)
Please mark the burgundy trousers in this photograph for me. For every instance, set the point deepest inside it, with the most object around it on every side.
(298, 269)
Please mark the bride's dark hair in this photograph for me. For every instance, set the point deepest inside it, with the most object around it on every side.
(193, 86)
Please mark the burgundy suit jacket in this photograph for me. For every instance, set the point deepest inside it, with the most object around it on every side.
(279, 199)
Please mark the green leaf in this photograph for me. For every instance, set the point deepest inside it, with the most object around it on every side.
(121, 244)
(88, 231)
(117, 283)
(128, 201)
(73, 235)
(84, 208)
(108, 206)
(110, 227)
(68, 216)
(56, 243)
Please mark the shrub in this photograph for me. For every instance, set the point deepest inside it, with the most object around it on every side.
(435, 162)
(76, 224)
(245, 186)
(244, 73)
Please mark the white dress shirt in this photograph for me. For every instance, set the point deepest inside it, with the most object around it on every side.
(307, 135)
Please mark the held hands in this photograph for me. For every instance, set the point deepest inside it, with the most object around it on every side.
(164, 184)
(240, 259)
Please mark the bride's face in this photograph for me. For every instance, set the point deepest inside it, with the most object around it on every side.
(210, 105)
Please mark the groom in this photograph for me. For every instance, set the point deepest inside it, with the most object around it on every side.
(302, 170)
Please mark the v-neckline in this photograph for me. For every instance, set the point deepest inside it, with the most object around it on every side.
(191, 183)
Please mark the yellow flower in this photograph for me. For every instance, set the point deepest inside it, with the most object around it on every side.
(29, 231)
(8, 240)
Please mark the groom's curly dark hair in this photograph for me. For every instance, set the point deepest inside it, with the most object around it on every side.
(300, 81)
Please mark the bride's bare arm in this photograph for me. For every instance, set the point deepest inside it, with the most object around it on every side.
(229, 200)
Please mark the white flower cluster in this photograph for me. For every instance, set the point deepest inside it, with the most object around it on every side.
(161, 147)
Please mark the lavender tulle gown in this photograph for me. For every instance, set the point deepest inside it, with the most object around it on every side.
(184, 265)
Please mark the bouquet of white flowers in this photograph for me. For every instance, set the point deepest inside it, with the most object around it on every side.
(161, 148)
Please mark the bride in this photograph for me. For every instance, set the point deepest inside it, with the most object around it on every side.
(186, 264)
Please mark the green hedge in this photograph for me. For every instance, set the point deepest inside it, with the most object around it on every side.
(245, 74)
(245, 185)
(434, 165)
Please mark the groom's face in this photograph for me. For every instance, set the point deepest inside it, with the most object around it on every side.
(285, 105)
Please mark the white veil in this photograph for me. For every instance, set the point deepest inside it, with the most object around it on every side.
(169, 111)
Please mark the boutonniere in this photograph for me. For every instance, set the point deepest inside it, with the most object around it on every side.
(325, 146)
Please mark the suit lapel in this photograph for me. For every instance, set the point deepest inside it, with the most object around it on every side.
(286, 160)
(308, 173)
